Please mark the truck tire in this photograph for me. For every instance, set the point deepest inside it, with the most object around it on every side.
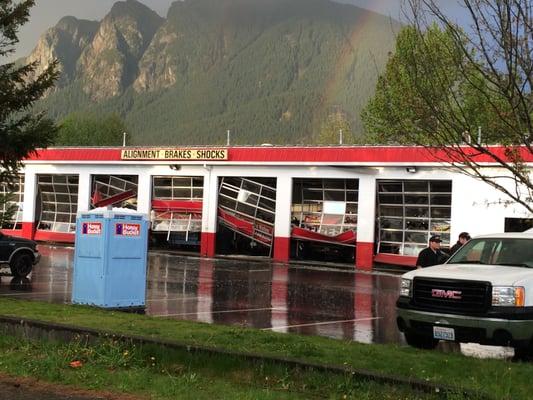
(523, 353)
(419, 341)
(21, 265)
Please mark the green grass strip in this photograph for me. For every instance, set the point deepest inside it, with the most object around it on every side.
(500, 379)
(149, 371)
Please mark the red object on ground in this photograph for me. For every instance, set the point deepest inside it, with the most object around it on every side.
(348, 237)
(76, 364)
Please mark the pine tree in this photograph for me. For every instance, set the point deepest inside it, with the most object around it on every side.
(22, 131)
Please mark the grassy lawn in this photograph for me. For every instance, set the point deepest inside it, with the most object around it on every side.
(500, 379)
(150, 372)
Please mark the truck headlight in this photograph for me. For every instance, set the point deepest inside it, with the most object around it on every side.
(508, 296)
(405, 288)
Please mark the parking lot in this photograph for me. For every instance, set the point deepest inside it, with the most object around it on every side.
(301, 299)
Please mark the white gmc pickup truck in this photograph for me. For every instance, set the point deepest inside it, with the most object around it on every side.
(482, 294)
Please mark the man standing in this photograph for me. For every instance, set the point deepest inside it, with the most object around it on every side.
(431, 255)
(463, 238)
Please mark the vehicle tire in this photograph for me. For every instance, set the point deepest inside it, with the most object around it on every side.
(523, 353)
(419, 341)
(21, 265)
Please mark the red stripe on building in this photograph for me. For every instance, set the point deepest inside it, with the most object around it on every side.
(363, 154)
(49, 236)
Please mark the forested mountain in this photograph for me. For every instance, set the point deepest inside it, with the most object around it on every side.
(268, 70)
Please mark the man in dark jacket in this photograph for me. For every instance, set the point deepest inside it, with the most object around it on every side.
(463, 238)
(431, 255)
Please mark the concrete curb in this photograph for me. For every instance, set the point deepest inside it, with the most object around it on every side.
(33, 329)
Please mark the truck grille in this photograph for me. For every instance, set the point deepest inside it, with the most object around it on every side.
(451, 295)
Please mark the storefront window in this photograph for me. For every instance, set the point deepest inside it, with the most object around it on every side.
(176, 216)
(409, 212)
(58, 203)
(325, 206)
(114, 190)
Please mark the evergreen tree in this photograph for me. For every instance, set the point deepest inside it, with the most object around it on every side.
(330, 131)
(22, 131)
(83, 129)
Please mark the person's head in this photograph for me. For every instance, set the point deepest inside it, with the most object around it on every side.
(434, 242)
(464, 237)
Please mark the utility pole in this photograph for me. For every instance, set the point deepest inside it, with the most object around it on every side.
(479, 135)
(228, 138)
(340, 137)
(124, 134)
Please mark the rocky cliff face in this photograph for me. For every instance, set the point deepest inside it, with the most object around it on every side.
(103, 55)
(65, 43)
(109, 64)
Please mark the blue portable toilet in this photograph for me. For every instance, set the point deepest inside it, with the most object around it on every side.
(111, 254)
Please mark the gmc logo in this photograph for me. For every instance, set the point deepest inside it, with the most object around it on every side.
(446, 294)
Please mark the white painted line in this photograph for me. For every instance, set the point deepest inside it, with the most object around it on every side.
(219, 312)
(172, 299)
(320, 323)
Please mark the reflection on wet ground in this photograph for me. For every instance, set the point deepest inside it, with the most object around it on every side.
(311, 301)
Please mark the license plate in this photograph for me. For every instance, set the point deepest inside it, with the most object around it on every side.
(443, 333)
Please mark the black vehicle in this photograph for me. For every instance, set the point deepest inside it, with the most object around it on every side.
(20, 254)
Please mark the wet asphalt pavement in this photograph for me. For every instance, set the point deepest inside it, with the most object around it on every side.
(341, 304)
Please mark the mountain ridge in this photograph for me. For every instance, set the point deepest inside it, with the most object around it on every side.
(269, 70)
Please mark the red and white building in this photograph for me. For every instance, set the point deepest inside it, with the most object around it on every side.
(354, 204)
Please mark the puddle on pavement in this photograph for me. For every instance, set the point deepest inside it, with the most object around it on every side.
(309, 301)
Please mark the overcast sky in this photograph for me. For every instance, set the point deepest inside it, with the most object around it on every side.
(46, 13)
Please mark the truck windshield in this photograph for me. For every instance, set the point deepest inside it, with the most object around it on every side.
(511, 252)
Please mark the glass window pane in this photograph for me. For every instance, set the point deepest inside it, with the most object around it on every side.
(334, 184)
(416, 237)
(416, 199)
(268, 193)
(391, 211)
(440, 212)
(330, 195)
(441, 186)
(395, 187)
(441, 199)
(227, 202)
(162, 181)
(390, 198)
(352, 184)
(246, 209)
(416, 186)
(313, 195)
(391, 223)
(162, 193)
(416, 224)
(181, 193)
(352, 196)
(413, 249)
(351, 208)
(389, 248)
(417, 212)
(392, 236)
(440, 226)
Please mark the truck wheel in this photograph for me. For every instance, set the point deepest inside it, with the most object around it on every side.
(419, 341)
(21, 265)
(523, 353)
